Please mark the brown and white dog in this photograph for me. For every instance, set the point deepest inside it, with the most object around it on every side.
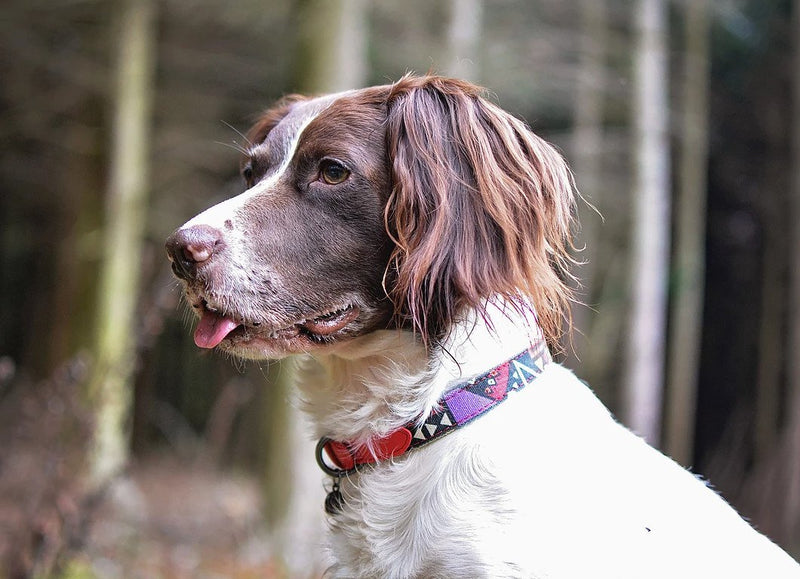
(410, 240)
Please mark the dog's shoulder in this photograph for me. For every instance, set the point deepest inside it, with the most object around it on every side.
(594, 485)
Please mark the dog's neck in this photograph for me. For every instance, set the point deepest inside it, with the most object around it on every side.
(378, 383)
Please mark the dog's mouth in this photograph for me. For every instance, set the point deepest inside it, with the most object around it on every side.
(215, 327)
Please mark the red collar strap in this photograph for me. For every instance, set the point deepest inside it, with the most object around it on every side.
(457, 408)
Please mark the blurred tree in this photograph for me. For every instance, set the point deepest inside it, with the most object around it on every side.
(330, 50)
(464, 33)
(689, 262)
(772, 206)
(587, 154)
(110, 390)
(771, 330)
(50, 116)
(791, 515)
(651, 219)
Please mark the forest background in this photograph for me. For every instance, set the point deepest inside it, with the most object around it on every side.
(126, 452)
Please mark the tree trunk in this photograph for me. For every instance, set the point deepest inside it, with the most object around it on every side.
(770, 323)
(110, 391)
(792, 511)
(464, 39)
(330, 55)
(587, 152)
(645, 363)
(689, 268)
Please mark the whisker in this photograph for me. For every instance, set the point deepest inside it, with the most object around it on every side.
(238, 132)
(235, 146)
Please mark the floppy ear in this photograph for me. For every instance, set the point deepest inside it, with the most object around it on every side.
(480, 207)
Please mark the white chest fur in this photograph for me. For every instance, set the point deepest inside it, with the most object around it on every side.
(549, 485)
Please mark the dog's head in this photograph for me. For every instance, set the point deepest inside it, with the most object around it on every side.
(393, 206)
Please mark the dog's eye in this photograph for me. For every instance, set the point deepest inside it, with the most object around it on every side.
(333, 172)
(247, 174)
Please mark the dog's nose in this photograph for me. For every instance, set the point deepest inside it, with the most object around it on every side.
(191, 247)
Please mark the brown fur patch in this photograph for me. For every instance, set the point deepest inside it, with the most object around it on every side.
(480, 206)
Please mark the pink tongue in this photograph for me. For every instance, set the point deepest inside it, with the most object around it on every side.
(212, 329)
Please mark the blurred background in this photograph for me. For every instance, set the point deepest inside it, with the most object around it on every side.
(127, 452)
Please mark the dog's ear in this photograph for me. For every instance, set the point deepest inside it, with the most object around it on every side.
(480, 207)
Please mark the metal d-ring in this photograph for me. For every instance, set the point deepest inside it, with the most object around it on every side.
(334, 500)
(320, 453)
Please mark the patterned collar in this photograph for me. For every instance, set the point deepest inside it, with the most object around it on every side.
(457, 408)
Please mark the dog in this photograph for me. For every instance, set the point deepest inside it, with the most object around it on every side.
(412, 243)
